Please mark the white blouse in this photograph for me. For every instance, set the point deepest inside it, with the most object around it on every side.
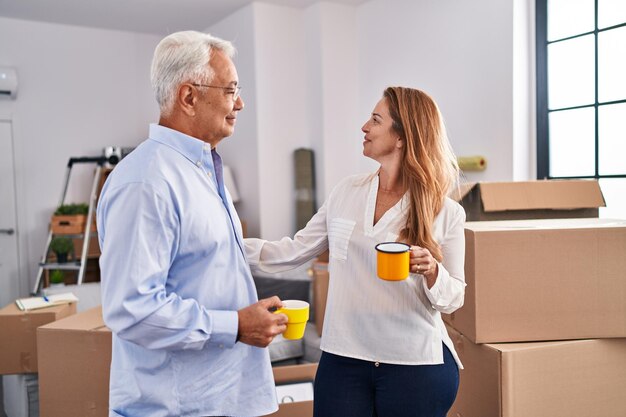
(396, 322)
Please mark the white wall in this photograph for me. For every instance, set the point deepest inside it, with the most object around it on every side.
(241, 150)
(302, 90)
(271, 67)
(335, 125)
(79, 91)
(281, 116)
(459, 52)
(319, 71)
(524, 88)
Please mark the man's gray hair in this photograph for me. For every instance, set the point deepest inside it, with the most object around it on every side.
(183, 57)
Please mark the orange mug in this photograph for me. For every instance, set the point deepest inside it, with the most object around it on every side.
(392, 261)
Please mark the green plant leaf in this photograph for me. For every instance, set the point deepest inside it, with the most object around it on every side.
(72, 209)
(57, 277)
(61, 244)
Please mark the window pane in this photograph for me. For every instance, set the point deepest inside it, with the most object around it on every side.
(611, 12)
(572, 142)
(612, 139)
(571, 73)
(612, 64)
(569, 18)
(614, 190)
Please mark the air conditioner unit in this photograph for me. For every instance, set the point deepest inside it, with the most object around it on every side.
(8, 82)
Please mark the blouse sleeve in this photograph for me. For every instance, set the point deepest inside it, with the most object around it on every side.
(288, 253)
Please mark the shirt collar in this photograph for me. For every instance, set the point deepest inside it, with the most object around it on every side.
(188, 146)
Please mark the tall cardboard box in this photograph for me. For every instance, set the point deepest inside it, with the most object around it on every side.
(74, 362)
(321, 281)
(534, 280)
(284, 375)
(18, 338)
(541, 379)
(551, 199)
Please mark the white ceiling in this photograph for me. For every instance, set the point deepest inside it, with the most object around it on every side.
(147, 16)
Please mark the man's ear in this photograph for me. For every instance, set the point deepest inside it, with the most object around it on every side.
(187, 99)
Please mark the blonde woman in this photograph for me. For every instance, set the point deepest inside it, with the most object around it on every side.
(385, 348)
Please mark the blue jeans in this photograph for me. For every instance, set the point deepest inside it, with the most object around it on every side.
(347, 387)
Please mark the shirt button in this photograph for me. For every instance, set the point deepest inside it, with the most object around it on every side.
(206, 147)
(199, 163)
(221, 346)
(209, 174)
(377, 364)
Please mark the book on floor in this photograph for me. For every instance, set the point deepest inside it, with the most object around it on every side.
(33, 303)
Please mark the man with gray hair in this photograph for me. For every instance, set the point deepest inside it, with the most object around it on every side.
(189, 335)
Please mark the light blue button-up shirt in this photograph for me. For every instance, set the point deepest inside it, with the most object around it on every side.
(173, 277)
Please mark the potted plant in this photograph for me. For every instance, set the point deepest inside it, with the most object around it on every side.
(71, 209)
(61, 246)
(57, 277)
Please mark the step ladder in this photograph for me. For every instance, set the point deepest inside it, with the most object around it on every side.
(77, 264)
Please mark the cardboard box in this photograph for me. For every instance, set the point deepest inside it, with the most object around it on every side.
(244, 228)
(324, 256)
(63, 224)
(18, 338)
(552, 199)
(295, 374)
(74, 362)
(534, 280)
(93, 249)
(541, 379)
(321, 280)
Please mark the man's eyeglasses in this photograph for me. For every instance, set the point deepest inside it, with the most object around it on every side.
(235, 91)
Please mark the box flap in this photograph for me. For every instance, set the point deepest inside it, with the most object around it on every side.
(294, 373)
(533, 195)
(544, 224)
(85, 321)
(511, 347)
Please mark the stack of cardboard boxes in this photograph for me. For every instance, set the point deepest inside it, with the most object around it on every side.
(18, 354)
(75, 357)
(543, 329)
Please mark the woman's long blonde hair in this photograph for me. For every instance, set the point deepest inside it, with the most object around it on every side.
(429, 166)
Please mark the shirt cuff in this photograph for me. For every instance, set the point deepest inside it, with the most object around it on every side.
(433, 293)
(225, 325)
(253, 250)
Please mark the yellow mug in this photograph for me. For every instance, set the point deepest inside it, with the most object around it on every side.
(392, 261)
(298, 314)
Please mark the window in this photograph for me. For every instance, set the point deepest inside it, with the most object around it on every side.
(581, 94)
